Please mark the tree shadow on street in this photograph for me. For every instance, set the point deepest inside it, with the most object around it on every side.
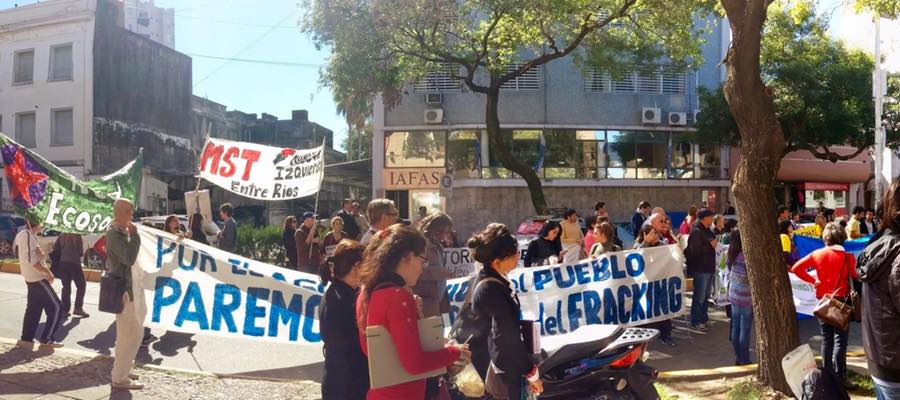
(103, 341)
(312, 372)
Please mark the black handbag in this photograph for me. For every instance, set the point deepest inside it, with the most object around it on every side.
(112, 288)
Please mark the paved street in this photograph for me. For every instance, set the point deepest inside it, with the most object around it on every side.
(176, 350)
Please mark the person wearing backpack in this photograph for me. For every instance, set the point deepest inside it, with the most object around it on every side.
(879, 270)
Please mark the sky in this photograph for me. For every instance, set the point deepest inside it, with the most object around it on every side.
(266, 31)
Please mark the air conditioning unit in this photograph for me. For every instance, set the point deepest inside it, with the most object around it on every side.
(434, 98)
(651, 115)
(677, 118)
(434, 116)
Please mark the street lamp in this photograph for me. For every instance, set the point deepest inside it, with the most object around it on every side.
(879, 90)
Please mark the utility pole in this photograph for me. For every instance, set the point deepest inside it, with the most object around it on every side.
(879, 87)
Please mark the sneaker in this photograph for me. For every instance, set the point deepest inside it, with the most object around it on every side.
(133, 377)
(81, 313)
(148, 339)
(50, 344)
(22, 344)
(669, 342)
(127, 385)
(700, 328)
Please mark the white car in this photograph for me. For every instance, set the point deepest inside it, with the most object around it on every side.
(47, 237)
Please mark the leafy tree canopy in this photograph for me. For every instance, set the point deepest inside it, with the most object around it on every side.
(822, 89)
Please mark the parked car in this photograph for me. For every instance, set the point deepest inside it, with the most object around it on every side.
(8, 231)
(47, 237)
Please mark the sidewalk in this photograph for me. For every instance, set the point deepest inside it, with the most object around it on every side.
(72, 374)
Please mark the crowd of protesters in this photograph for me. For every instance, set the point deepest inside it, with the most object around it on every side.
(384, 273)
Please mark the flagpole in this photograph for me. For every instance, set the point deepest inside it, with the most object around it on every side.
(199, 179)
(316, 206)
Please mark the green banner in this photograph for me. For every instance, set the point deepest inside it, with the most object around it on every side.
(48, 195)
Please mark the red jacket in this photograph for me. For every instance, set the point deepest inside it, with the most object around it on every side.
(395, 309)
(832, 265)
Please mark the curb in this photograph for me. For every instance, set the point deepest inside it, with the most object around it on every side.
(90, 275)
(91, 355)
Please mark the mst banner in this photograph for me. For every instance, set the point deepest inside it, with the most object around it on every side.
(262, 172)
(43, 192)
(628, 288)
(190, 287)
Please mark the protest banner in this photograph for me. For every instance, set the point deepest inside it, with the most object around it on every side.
(262, 172)
(194, 288)
(720, 283)
(44, 193)
(459, 262)
(624, 288)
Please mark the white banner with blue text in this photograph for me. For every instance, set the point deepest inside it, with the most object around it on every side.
(625, 288)
(194, 288)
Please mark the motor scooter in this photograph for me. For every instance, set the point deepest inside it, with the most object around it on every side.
(598, 362)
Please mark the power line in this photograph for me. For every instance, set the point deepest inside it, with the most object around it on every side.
(255, 61)
(219, 21)
(243, 50)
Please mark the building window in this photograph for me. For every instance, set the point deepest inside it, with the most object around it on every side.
(530, 81)
(424, 149)
(682, 164)
(464, 153)
(523, 145)
(23, 67)
(25, 129)
(637, 155)
(61, 128)
(636, 79)
(60, 63)
(441, 78)
(710, 161)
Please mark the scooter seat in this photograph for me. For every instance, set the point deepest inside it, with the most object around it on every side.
(586, 340)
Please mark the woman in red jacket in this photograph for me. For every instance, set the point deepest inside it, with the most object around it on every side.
(393, 261)
(833, 267)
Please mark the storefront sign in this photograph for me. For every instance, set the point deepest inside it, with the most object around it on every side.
(413, 178)
(841, 187)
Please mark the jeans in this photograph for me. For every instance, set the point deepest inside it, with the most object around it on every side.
(72, 272)
(886, 393)
(741, 325)
(834, 349)
(699, 302)
(41, 298)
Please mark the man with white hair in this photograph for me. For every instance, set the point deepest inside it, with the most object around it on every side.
(122, 246)
(658, 222)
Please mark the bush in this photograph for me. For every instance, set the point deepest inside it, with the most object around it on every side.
(262, 244)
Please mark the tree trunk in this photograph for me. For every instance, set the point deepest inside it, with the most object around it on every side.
(492, 119)
(762, 142)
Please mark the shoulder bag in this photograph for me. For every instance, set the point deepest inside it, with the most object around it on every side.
(112, 289)
(834, 311)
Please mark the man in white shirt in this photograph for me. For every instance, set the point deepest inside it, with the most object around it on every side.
(382, 214)
(41, 297)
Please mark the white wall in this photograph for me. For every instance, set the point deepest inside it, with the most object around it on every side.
(40, 26)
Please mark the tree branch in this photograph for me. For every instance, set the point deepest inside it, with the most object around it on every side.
(828, 155)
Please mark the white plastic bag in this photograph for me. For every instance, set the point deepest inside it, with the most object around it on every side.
(796, 366)
(469, 382)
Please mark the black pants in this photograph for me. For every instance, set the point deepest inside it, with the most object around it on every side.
(514, 385)
(72, 272)
(41, 298)
(834, 349)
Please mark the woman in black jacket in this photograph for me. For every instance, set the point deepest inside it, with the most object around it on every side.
(544, 246)
(494, 301)
(346, 374)
(879, 270)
